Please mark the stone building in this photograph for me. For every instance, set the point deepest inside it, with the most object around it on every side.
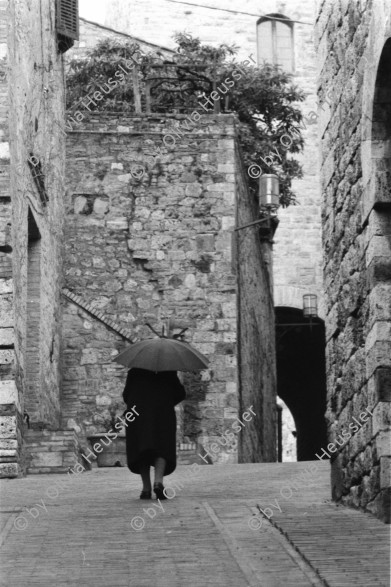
(297, 250)
(97, 255)
(138, 251)
(33, 194)
(8, 410)
(354, 49)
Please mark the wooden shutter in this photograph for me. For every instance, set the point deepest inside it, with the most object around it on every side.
(67, 18)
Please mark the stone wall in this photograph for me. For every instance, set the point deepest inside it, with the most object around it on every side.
(143, 250)
(9, 413)
(256, 336)
(297, 253)
(52, 451)
(354, 66)
(37, 150)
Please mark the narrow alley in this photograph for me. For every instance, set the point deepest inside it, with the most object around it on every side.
(97, 532)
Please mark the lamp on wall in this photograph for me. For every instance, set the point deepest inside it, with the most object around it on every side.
(310, 306)
(269, 199)
(310, 310)
(269, 192)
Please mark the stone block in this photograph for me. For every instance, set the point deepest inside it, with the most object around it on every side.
(10, 453)
(379, 355)
(383, 384)
(6, 311)
(379, 271)
(227, 222)
(7, 426)
(383, 444)
(221, 187)
(380, 302)
(118, 223)
(385, 472)
(6, 336)
(9, 393)
(8, 470)
(89, 356)
(80, 204)
(46, 459)
(6, 286)
(381, 420)
(7, 444)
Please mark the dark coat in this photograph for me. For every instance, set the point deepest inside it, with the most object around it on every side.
(153, 432)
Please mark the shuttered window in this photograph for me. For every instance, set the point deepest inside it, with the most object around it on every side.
(275, 42)
(67, 23)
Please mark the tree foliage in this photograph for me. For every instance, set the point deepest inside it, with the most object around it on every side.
(263, 97)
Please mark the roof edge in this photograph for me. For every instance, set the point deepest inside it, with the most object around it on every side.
(101, 26)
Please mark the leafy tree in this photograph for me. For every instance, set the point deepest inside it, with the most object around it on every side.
(264, 98)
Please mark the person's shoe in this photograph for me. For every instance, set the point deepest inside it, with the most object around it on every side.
(159, 491)
(146, 495)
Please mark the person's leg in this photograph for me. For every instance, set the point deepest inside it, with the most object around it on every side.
(145, 476)
(160, 465)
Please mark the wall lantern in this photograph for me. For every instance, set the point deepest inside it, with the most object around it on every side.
(269, 199)
(310, 306)
(269, 192)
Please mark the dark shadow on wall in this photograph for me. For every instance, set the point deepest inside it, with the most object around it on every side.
(301, 378)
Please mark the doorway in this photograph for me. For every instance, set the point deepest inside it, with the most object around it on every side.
(32, 404)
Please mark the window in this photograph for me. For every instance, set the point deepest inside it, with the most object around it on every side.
(275, 41)
(67, 23)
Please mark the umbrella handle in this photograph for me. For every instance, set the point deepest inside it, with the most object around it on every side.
(153, 330)
(180, 334)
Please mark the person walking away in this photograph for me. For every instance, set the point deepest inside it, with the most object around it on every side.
(151, 439)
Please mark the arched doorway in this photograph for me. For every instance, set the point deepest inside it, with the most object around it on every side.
(33, 402)
(301, 377)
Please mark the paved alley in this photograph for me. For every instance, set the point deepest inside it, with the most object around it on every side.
(94, 531)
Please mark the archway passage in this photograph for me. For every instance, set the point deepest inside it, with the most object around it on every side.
(381, 132)
(301, 377)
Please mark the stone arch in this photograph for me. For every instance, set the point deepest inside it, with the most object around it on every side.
(378, 51)
(376, 222)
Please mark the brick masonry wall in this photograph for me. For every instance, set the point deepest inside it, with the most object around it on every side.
(52, 451)
(33, 397)
(9, 445)
(297, 253)
(356, 240)
(144, 250)
(36, 105)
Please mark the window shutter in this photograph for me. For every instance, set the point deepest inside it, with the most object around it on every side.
(67, 23)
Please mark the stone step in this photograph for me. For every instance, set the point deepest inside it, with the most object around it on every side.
(187, 453)
(51, 451)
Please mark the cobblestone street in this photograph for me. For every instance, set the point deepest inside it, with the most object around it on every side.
(202, 536)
